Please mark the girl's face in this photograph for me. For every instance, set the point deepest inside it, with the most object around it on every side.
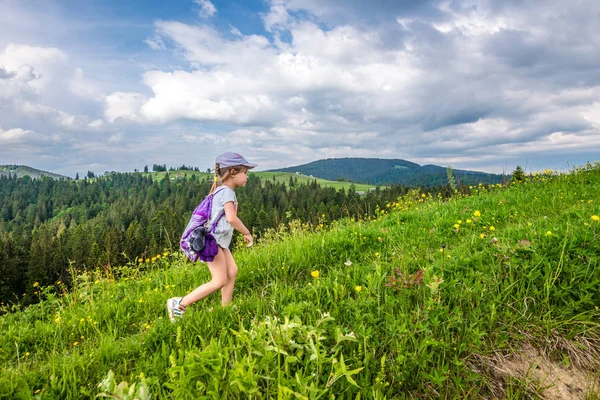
(240, 179)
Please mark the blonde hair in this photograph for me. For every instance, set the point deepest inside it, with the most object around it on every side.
(221, 174)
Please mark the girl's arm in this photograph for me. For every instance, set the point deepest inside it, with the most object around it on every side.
(237, 223)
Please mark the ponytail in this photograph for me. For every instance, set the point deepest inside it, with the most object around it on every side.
(220, 175)
(215, 179)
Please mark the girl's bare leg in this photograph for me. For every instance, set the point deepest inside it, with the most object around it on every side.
(232, 270)
(218, 270)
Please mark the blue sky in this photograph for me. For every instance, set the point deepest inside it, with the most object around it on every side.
(116, 85)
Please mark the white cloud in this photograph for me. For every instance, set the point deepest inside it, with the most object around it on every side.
(97, 123)
(33, 80)
(86, 88)
(16, 83)
(13, 135)
(155, 43)
(207, 9)
(14, 138)
(246, 81)
(123, 105)
(116, 138)
(38, 65)
(474, 19)
(592, 114)
(204, 46)
(277, 17)
(55, 117)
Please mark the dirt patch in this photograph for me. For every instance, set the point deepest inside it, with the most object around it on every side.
(543, 376)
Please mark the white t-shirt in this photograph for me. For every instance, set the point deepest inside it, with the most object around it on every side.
(223, 231)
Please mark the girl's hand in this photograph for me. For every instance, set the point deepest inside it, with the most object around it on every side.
(248, 238)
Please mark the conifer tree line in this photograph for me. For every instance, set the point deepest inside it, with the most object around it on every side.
(47, 225)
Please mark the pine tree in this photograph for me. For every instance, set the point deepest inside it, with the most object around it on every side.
(518, 175)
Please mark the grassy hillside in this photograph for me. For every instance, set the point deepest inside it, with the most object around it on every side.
(283, 177)
(430, 299)
(379, 171)
(22, 170)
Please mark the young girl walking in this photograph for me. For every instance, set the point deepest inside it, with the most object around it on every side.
(230, 173)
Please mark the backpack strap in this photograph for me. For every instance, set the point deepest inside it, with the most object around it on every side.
(216, 222)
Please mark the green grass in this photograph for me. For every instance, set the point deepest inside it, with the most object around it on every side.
(280, 177)
(534, 278)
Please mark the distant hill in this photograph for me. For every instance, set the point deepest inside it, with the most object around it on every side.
(22, 170)
(377, 171)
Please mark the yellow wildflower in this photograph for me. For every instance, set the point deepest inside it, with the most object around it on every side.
(459, 221)
(492, 228)
(75, 343)
(315, 273)
(477, 213)
(482, 236)
(469, 221)
(36, 284)
(157, 256)
(549, 233)
(456, 226)
(140, 260)
(595, 218)
(27, 354)
(165, 254)
(357, 288)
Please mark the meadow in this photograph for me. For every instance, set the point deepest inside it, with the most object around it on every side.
(429, 299)
(280, 177)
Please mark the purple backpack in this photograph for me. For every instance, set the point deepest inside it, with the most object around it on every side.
(196, 241)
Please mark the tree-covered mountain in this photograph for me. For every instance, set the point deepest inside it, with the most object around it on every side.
(378, 171)
(23, 170)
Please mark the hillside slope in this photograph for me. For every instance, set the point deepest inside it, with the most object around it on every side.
(428, 300)
(377, 171)
(22, 170)
(281, 177)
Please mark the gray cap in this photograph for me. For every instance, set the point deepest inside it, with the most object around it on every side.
(232, 160)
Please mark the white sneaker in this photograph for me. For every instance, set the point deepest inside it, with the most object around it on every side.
(174, 308)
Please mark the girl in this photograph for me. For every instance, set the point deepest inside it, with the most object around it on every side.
(230, 172)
